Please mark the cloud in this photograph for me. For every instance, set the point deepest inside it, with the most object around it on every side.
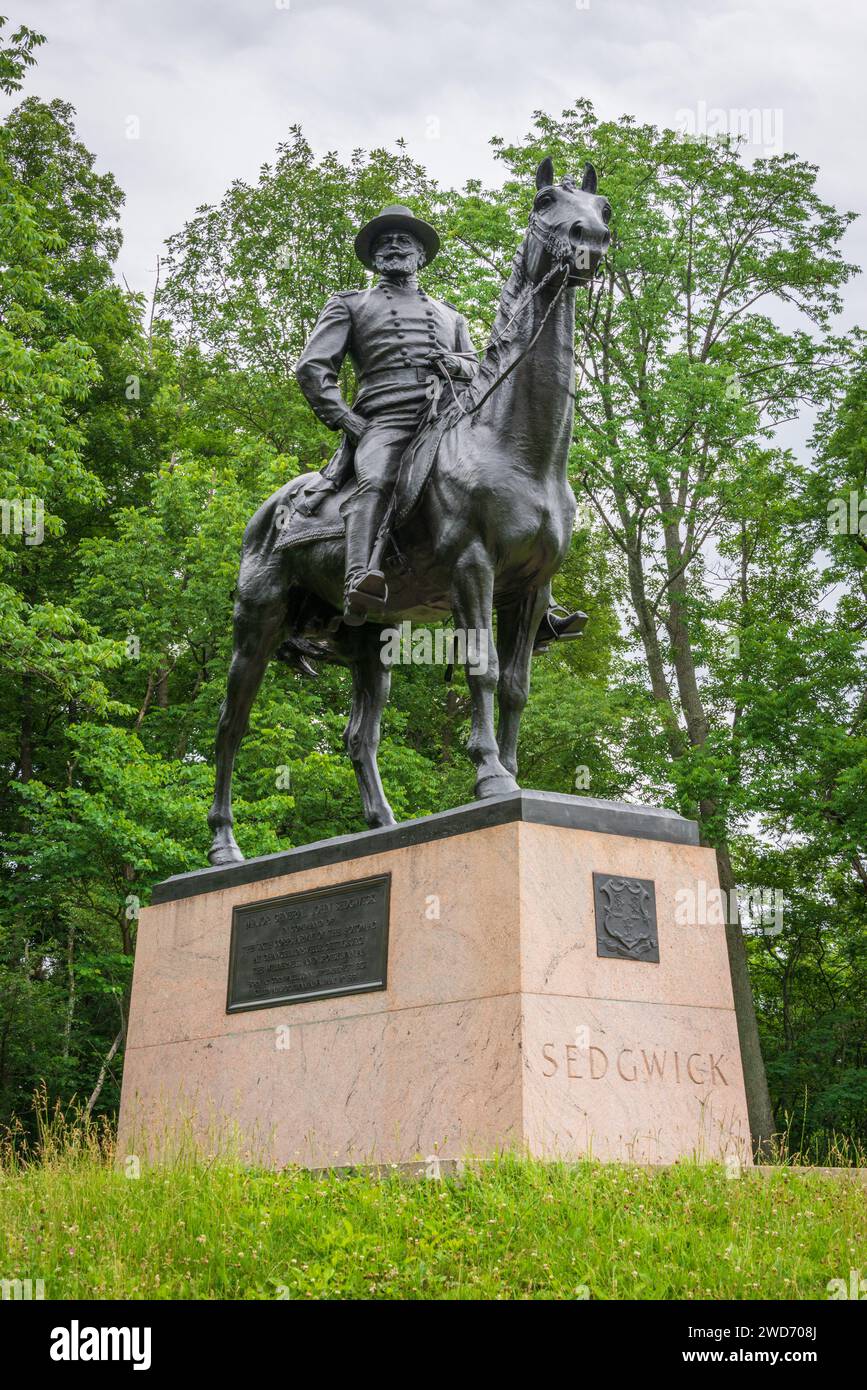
(215, 84)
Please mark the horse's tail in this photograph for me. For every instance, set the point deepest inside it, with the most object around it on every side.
(300, 653)
(299, 649)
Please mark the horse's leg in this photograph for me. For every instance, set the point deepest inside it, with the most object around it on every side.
(258, 623)
(472, 602)
(371, 682)
(517, 625)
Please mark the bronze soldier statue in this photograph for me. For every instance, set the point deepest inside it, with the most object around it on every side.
(482, 513)
(398, 338)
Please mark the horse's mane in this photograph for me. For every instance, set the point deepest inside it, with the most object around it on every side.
(501, 338)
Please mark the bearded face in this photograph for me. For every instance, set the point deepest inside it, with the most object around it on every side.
(397, 253)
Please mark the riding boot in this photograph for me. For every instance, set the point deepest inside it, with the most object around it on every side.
(555, 627)
(365, 588)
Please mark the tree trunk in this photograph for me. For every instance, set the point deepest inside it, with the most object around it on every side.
(759, 1109)
(70, 1000)
(652, 653)
(25, 743)
(100, 1080)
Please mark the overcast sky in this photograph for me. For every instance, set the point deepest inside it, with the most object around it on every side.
(215, 84)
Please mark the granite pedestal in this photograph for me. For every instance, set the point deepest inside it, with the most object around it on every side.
(496, 1017)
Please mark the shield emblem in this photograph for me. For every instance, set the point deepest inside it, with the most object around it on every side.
(625, 918)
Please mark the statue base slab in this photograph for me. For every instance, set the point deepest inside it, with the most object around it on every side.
(500, 992)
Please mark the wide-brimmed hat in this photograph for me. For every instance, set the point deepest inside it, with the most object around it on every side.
(395, 216)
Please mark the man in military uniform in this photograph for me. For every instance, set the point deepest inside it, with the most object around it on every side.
(398, 338)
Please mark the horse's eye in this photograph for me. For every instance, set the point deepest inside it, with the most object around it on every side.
(606, 214)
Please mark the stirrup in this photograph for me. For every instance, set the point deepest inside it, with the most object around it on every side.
(369, 591)
(554, 628)
(570, 625)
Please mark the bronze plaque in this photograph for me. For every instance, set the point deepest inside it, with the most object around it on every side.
(625, 918)
(314, 945)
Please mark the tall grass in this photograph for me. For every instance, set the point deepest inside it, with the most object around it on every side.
(824, 1148)
(505, 1229)
(58, 1136)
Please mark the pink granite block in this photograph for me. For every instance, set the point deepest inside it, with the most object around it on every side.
(500, 1026)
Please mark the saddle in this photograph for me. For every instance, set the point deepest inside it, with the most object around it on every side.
(314, 502)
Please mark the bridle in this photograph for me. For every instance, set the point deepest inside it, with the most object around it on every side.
(554, 242)
(560, 250)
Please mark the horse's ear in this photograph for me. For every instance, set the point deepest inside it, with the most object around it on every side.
(545, 173)
(588, 183)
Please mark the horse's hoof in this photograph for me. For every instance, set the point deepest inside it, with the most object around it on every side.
(219, 855)
(498, 784)
(380, 820)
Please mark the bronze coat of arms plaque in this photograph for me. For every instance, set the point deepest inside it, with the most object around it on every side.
(315, 945)
(625, 918)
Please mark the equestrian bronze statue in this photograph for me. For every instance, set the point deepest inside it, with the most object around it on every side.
(448, 496)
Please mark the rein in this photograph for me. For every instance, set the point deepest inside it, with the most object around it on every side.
(521, 355)
(497, 339)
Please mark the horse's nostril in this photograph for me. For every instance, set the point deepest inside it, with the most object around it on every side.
(576, 232)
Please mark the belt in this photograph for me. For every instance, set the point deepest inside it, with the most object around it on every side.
(400, 376)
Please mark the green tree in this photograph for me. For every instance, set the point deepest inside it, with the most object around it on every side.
(59, 314)
(688, 367)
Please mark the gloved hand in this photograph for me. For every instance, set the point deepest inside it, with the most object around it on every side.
(353, 425)
(459, 368)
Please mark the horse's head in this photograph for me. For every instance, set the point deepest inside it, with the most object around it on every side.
(569, 223)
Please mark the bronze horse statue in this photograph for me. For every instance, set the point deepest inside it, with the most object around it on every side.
(483, 532)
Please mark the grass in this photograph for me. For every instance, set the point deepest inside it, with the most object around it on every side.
(824, 1148)
(509, 1229)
